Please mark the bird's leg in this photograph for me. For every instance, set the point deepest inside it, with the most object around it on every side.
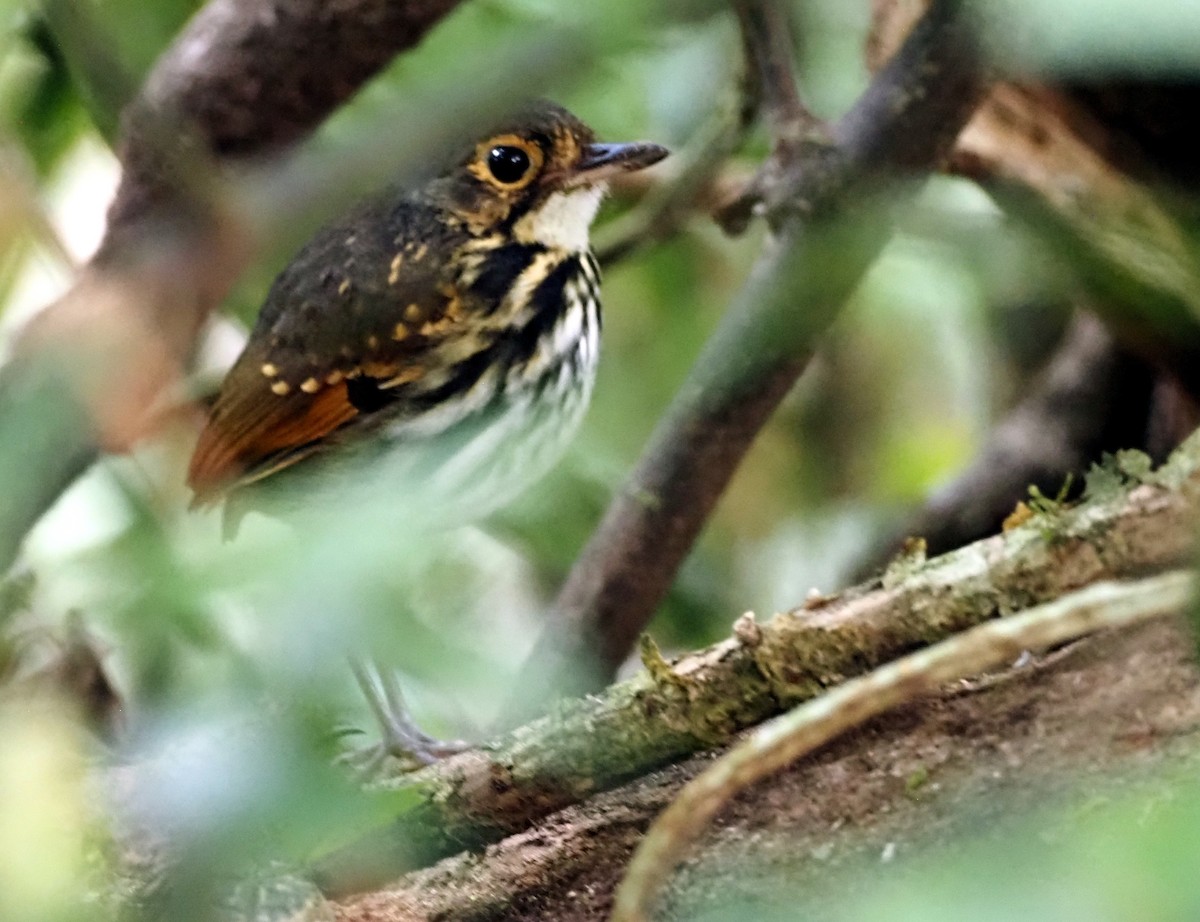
(400, 737)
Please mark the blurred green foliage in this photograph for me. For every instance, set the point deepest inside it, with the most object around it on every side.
(1073, 38)
(47, 116)
(929, 351)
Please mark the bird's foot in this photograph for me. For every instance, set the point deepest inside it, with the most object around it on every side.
(399, 736)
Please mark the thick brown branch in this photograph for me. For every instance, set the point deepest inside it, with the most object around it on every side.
(248, 78)
(905, 122)
(1060, 159)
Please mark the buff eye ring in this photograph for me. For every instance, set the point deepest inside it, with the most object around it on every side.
(507, 162)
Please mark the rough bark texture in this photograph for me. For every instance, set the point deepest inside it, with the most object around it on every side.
(785, 739)
(966, 765)
(1137, 523)
(248, 78)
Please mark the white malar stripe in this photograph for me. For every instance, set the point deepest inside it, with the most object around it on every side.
(563, 220)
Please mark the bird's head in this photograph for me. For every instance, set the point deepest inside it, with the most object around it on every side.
(538, 177)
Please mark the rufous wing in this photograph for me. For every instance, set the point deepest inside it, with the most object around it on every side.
(368, 299)
(251, 425)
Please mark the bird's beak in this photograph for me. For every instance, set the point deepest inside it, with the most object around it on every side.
(600, 161)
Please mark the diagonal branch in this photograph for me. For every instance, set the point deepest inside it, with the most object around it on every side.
(785, 739)
(669, 711)
(815, 196)
(250, 78)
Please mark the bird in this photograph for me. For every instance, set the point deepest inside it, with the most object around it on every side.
(435, 348)
(454, 327)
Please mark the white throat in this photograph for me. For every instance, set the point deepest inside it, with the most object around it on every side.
(563, 220)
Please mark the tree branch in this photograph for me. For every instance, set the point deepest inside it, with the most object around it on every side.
(701, 700)
(781, 741)
(249, 78)
(1059, 163)
(905, 122)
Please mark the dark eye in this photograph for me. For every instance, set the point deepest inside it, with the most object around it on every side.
(507, 163)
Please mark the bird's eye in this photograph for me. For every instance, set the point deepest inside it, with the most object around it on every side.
(507, 163)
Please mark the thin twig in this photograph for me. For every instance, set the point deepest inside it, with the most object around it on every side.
(698, 165)
(785, 739)
(767, 44)
(767, 39)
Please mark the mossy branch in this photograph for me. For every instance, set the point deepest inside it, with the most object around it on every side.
(784, 739)
(1134, 524)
